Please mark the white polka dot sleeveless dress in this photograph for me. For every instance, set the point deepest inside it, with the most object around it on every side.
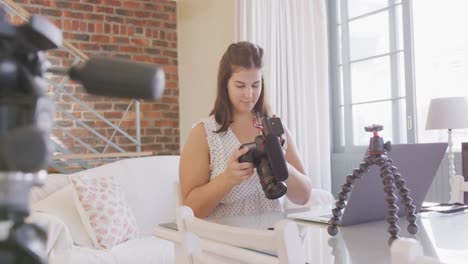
(246, 198)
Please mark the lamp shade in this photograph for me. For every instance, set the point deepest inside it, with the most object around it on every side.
(448, 113)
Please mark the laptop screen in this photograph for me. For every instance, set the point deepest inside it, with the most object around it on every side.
(417, 164)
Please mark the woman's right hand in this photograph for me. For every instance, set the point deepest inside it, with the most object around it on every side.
(236, 172)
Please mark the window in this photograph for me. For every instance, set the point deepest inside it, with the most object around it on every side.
(367, 53)
(384, 73)
(441, 60)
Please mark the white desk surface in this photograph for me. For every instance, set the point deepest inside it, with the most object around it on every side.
(443, 236)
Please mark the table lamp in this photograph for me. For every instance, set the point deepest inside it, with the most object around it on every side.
(448, 113)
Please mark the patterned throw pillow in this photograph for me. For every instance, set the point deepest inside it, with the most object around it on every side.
(104, 212)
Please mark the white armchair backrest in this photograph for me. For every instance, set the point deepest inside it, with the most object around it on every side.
(207, 242)
(177, 195)
(458, 187)
(409, 251)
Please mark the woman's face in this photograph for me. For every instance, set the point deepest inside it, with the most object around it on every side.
(244, 88)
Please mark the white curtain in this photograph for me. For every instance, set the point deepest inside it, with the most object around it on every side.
(293, 34)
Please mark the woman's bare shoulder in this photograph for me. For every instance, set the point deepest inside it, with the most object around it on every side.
(196, 141)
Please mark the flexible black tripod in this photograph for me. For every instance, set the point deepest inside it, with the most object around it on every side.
(376, 155)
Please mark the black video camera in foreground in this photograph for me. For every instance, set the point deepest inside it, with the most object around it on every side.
(26, 121)
(267, 156)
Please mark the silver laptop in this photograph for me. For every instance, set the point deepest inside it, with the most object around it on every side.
(417, 164)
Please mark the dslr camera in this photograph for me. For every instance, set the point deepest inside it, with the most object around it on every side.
(267, 156)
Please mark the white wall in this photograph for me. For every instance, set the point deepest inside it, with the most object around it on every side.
(205, 28)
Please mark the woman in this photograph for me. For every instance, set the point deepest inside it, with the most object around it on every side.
(212, 181)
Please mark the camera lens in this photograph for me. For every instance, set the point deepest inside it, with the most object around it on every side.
(272, 188)
(275, 190)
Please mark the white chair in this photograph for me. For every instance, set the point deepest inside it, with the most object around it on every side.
(409, 251)
(458, 187)
(177, 195)
(206, 242)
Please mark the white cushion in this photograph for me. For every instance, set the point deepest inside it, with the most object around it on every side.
(61, 205)
(148, 186)
(58, 236)
(103, 210)
(148, 250)
(54, 182)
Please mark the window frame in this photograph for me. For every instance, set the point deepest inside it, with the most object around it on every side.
(343, 129)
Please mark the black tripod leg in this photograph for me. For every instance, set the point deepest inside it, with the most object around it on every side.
(413, 228)
(388, 180)
(343, 195)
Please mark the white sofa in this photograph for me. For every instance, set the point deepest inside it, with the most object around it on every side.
(148, 186)
(147, 183)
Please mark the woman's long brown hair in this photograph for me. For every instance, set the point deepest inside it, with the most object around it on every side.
(238, 55)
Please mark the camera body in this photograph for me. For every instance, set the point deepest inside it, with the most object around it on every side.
(26, 121)
(256, 151)
(267, 156)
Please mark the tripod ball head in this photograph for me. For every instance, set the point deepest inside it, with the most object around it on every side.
(373, 128)
(388, 146)
(376, 143)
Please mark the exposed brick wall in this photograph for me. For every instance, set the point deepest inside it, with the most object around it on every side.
(140, 30)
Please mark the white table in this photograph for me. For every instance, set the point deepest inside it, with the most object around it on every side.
(443, 236)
